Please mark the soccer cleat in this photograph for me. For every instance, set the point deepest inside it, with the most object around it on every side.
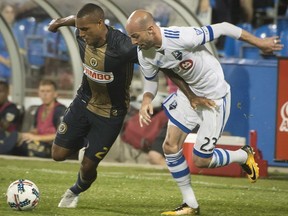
(250, 166)
(184, 209)
(69, 200)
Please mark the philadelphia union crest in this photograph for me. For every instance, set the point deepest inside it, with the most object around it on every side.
(62, 128)
(93, 62)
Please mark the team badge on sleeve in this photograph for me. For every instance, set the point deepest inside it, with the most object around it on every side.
(10, 117)
(62, 128)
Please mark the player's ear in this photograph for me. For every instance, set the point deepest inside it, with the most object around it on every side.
(101, 22)
(150, 29)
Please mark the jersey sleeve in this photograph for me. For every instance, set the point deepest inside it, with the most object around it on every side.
(58, 114)
(130, 50)
(149, 71)
(196, 36)
(122, 43)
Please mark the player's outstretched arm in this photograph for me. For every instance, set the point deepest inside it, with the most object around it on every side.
(183, 86)
(59, 22)
(267, 45)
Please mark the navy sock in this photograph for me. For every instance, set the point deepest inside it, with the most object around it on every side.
(81, 185)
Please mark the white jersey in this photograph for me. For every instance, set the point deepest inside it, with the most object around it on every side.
(183, 51)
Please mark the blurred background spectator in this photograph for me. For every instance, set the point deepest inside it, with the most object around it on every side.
(10, 119)
(38, 140)
(8, 12)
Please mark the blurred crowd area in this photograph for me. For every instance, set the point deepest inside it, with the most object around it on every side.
(46, 54)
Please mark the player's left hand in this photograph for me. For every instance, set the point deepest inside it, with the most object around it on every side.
(270, 44)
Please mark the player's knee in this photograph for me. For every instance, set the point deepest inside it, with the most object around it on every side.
(170, 147)
(57, 157)
(57, 153)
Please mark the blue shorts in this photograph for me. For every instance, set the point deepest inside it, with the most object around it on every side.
(81, 127)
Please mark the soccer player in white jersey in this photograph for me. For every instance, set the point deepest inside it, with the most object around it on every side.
(181, 50)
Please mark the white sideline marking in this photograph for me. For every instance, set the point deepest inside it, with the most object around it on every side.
(158, 175)
(147, 176)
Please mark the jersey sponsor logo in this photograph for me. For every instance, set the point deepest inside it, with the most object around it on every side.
(177, 55)
(171, 34)
(186, 64)
(98, 76)
(284, 115)
(93, 62)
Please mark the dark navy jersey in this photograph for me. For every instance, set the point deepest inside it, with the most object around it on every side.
(9, 116)
(108, 72)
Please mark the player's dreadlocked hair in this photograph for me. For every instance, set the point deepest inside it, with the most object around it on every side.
(91, 9)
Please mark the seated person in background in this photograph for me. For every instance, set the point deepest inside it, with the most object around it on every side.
(148, 138)
(156, 153)
(48, 116)
(10, 119)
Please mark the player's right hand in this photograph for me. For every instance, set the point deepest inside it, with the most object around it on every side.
(145, 113)
(53, 25)
(202, 101)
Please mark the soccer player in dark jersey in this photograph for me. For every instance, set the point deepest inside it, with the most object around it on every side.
(97, 112)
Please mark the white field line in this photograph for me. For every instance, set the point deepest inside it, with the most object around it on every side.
(108, 163)
(148, 176)
(103, 163)
(151, 176)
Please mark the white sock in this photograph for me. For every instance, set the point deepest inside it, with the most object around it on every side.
(179, 169)
(223, 157)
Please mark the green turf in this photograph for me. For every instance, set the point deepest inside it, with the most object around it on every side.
(122, 190)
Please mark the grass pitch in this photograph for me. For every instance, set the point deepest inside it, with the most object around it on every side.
(137, 190)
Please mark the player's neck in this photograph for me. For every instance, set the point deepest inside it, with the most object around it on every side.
(103, 39)
(158, 38)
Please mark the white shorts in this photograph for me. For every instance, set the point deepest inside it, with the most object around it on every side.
(211, 122)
